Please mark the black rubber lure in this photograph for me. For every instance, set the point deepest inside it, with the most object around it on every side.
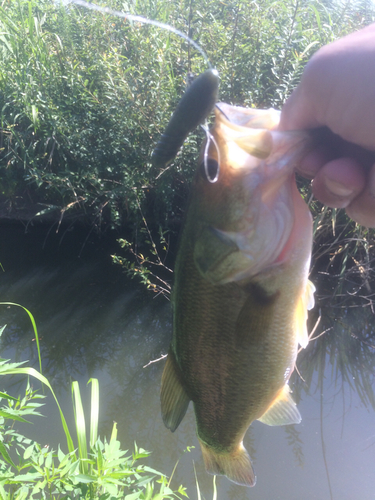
(194, 107)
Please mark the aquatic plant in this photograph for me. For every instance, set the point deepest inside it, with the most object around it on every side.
(99, 469)
(105, 471)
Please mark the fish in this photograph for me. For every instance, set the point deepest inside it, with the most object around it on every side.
(192, 110)
(241, 291)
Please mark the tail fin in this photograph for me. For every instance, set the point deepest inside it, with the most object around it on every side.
(235, 465)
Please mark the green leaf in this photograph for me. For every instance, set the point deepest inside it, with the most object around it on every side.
(84, 478)
(79, 417)
(60, 455)
(48, 462)
(6, 396)
(40, 485)
(182, 490)
(34, 111)
(34, 328)
(159, 496)
(133, 496)
(114, 432)
(3, 494)
(99, 459)
(29, 476)
(5, 455)
(12, 416)
(32, 372)
(94, 420)
(70, 466)
(28, 452)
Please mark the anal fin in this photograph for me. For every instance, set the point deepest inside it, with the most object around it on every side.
(283, 410)
(174, 400)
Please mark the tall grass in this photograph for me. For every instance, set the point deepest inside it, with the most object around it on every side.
(84, 96)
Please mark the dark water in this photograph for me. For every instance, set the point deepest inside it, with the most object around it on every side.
(95, 322)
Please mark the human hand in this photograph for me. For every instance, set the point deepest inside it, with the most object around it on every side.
(337, 91)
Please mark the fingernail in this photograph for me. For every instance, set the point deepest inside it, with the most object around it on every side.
(337, 189)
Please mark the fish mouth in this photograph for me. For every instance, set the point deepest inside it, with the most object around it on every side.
(255, 133)
(248, 131)
(240, 117)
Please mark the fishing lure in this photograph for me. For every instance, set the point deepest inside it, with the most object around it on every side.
(192, 110)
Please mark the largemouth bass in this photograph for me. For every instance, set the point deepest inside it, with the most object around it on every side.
(241, 290)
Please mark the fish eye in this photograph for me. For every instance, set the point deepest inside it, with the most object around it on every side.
(209, 169)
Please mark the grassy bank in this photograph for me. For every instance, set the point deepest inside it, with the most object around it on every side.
(84, 97)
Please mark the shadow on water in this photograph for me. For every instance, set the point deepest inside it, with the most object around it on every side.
(95, 322)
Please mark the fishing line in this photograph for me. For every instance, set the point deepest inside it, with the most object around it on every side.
(158, 24)
(144, 20)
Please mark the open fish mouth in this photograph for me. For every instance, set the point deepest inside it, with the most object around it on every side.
(255, 132)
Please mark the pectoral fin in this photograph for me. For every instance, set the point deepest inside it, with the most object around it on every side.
(174, 400)
(283, 410)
